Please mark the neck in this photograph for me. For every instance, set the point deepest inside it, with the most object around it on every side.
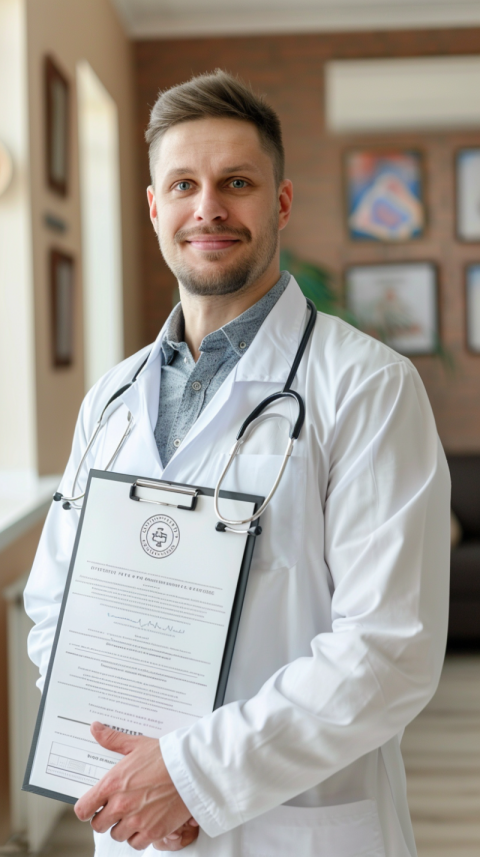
(205, 313)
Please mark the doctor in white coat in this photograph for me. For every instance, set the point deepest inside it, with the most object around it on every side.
(342, 635)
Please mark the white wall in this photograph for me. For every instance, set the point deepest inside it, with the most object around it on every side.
(17, 383)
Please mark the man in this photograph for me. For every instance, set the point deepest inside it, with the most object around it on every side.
(342, 635)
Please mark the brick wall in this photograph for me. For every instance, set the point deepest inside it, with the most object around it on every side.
(289, 71)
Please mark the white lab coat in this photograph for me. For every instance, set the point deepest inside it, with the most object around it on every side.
(342, 636)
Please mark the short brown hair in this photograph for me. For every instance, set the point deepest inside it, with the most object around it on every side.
(218, 94)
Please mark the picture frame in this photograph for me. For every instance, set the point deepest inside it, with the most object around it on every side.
(472, 307)
(384, 195)
(57, 114)
(397, 303)
(62, 285)
(467, 191)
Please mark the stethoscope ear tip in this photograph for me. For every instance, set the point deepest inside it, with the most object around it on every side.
(57, 496)
(66, 505)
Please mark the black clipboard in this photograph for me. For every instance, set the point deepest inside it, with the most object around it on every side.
(192, 491)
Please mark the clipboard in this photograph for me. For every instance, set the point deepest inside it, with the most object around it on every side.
(138, 637)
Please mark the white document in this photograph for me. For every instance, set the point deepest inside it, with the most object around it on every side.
(146, 632)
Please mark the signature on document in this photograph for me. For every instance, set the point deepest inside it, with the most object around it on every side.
(146, 625)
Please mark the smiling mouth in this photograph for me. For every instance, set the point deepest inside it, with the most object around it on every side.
(212, 243)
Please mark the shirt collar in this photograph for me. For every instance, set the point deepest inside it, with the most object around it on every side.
(238, 333)
(173, 333)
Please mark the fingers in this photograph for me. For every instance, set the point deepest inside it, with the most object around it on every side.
(98, 795)
(180, 839)
(93, 800)
(105, 819)
(110, 739)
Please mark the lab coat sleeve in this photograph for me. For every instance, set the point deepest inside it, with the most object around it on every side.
(44, 591)
(387, 550)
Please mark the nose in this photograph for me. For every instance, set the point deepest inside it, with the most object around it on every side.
(210, 207)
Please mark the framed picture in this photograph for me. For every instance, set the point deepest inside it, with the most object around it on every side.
(384, 195)
(397, 303)
(62, 273)
(57, 99)
(472, 282)
(468, 194)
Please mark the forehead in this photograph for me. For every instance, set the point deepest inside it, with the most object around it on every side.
(211, 144)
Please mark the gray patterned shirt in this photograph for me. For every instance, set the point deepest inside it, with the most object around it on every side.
(187, 387)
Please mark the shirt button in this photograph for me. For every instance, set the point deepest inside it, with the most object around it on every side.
(196, 386)
(177, 442)
(242, 345)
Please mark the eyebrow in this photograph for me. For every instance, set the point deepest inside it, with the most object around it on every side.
(236, 168)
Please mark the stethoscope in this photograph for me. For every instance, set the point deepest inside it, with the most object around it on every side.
(254, 418)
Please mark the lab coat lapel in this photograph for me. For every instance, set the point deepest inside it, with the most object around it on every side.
(272, 352)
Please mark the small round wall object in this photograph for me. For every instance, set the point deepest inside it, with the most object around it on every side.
(6, 168)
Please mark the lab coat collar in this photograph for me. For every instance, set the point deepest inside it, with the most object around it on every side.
(281, 329)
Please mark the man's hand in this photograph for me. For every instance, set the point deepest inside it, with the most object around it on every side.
(137, 796)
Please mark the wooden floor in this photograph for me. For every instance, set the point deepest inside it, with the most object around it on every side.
(441, 749)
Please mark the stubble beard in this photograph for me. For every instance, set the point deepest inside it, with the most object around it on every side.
(233, 278)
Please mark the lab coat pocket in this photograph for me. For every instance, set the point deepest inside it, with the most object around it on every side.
(348, 830)
(283, 521)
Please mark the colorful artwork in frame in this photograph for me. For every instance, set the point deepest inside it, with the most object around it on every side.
(384, 195)
(396, 303)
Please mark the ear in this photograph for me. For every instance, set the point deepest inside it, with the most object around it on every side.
(285, 199)
(152, 205)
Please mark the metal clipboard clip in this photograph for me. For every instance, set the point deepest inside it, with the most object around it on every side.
(180, 492)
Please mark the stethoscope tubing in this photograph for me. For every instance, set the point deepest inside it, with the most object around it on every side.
(71, 502)
(228, 523)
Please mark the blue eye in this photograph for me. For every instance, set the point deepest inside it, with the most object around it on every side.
(183, 185)
(239, 183)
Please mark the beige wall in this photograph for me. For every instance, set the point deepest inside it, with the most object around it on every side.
(71, 31)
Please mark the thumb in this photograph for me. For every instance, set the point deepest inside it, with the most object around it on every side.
(110, 739)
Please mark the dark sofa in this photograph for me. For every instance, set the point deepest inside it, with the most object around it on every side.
(464, 622)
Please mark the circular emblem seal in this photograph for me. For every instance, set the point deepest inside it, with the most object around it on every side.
(160, 536)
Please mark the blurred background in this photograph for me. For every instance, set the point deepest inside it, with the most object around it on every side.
(380, 106)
